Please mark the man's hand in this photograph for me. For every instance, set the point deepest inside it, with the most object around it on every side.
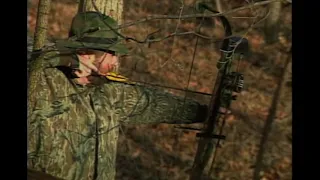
(86, 66)
(89, 64)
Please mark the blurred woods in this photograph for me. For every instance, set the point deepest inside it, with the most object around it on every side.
(271, 26)
(148, 151)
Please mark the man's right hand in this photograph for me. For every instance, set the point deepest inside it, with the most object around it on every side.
(86, 66)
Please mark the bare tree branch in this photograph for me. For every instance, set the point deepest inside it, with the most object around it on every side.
(150, 38)
(153, 17)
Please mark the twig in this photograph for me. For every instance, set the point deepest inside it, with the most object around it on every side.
(153, 17)
(174, 40)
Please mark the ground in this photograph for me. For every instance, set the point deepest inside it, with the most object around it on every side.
(164, 152)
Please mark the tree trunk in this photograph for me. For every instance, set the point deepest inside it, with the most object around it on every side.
(112, 8)
(36, 175)
(42, 24)
(269, 121)
(218, 5)
(39, 41)
(272, 23)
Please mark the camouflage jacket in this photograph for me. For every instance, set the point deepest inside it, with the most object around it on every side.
(73, 130)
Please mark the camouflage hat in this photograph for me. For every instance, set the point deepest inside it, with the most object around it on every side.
(92, 30)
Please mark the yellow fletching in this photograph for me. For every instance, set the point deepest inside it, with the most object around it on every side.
(112, 76)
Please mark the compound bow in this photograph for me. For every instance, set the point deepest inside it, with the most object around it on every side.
(227, 83)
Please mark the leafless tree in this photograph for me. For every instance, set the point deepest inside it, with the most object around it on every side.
(270, 119)
(112, 8)
(42, 24)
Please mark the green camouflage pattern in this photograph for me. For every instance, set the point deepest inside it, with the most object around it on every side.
(93, 30)
(73, 130)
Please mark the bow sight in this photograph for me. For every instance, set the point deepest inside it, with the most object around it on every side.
(234, 81)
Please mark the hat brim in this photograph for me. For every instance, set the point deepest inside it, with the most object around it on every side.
(118, 47)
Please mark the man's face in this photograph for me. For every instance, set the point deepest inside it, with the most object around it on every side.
(99, 61)
(107, 62)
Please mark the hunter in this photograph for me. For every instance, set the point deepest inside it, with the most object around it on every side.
(74, 112)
